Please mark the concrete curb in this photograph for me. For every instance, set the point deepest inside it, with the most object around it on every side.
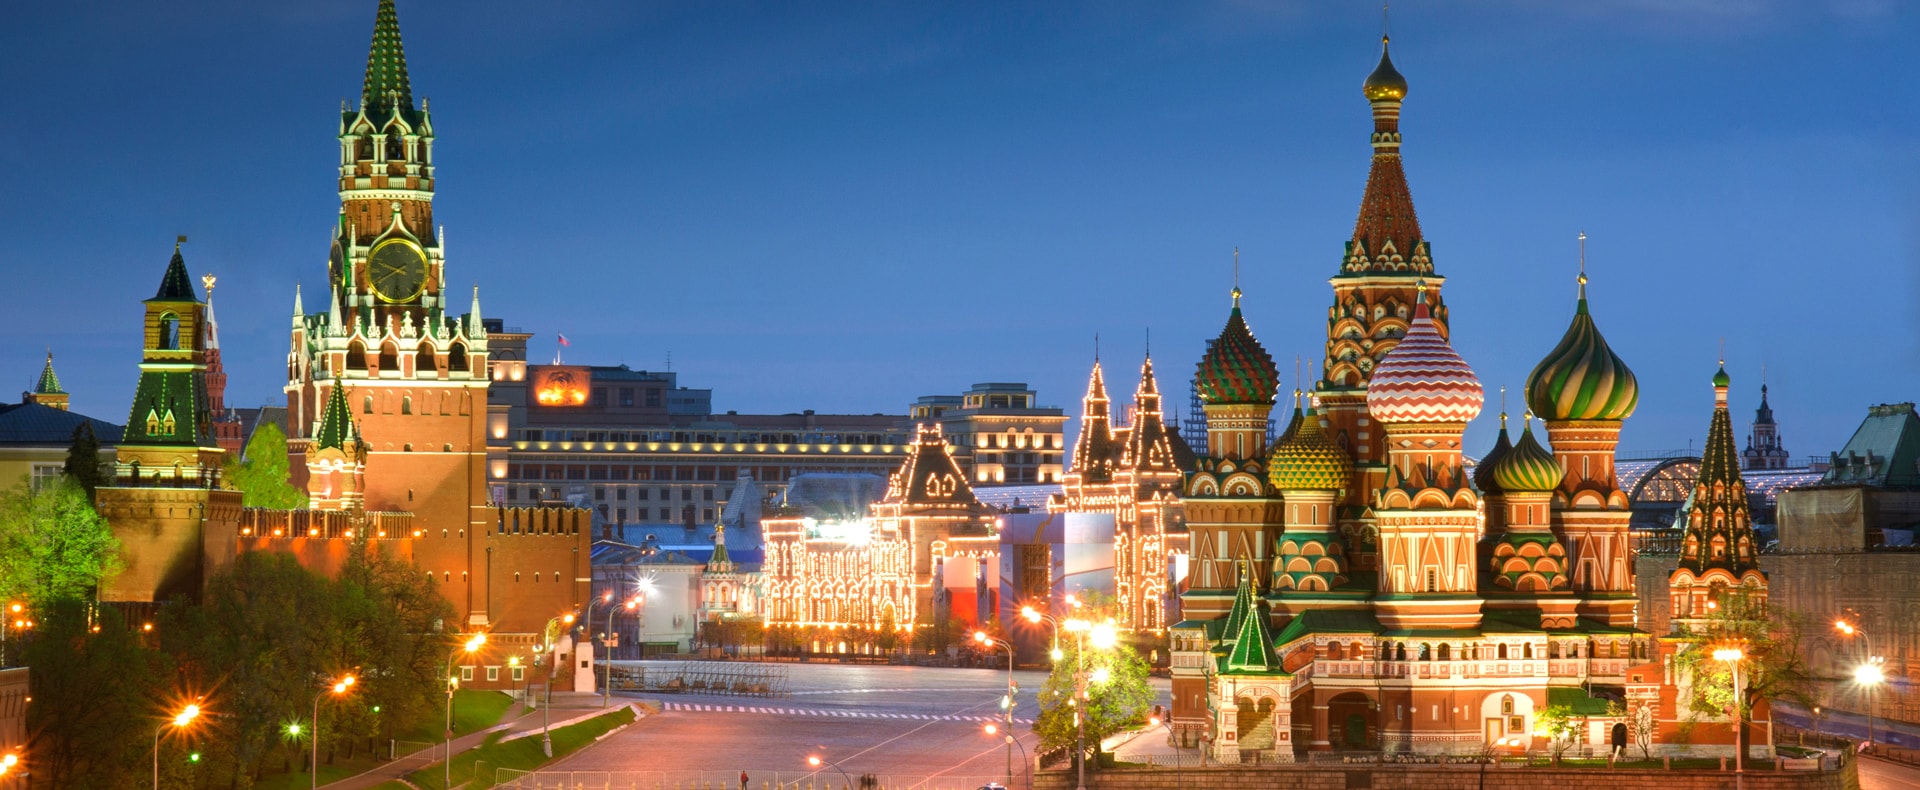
(639, 712)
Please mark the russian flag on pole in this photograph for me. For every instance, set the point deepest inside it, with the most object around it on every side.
(563, 341)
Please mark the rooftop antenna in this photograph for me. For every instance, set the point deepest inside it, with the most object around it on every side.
(669, 362)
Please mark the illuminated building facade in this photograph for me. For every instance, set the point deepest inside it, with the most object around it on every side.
(897, 565)
(1131, 470)
(1352, 587)
(998, 430)
(639, 449)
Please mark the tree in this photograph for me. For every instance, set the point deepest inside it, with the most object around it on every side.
(83, 459)
(260, 474)
(1642, 727)
(1559, 724)
(53, 544)
(96, 697)
(888, 639)
(1119, 695)
(1771, 666)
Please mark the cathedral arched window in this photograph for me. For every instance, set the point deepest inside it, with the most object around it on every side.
(1501, 652)
(1446, 653)
(423, 362)
(406, 407)
(457, 358)
(1506, 705)
(396, 146)
(357, 357)
(366, 405)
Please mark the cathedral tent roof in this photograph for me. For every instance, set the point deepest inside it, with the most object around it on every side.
(386, 85)
(175, 285)
(49, 383)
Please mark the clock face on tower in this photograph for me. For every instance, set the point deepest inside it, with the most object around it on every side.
(397, 268)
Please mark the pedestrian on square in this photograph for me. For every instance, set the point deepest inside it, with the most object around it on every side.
(743, 780)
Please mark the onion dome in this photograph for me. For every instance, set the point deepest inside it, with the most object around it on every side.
(1483, 471)
(1422, 379)
(1236, 369)
(1385, 83)
(1528, 467)
(1721, 379)
(1582, 379)
(1307, 460)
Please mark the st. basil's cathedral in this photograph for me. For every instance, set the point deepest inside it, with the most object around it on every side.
(1358, 586)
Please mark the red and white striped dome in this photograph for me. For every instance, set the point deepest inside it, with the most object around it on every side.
(1422, 379)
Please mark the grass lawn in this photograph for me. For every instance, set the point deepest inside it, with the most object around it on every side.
(473, 711)
(523, 754)
(341, 768)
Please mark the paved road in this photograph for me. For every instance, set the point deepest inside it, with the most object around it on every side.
(1887, 775)
(904, 724)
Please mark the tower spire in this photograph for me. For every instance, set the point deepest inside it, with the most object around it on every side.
(386, 87)
(1236, 277)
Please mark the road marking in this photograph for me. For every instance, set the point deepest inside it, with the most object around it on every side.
(690, 707)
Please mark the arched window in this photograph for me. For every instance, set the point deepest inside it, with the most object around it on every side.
(366, 405)
(1400, 651)
(396, 145)
(423, 361)
(1501, 651)
(1445, 652)
(357, 356)
(1506, 705)
(1526, 650)
(406, 407)
(169, 331)
(457, 358)
(1426, 652)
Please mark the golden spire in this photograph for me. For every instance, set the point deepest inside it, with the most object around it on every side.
(1236, 277)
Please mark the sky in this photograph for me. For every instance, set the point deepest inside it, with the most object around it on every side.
(843, 206)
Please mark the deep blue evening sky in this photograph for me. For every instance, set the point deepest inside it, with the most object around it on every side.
(843, 206)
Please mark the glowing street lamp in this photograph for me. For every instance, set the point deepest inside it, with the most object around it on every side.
(1869, 675)
(471, 646)
(992, 729)
(815, 763)
(1734, 657)
(1008, 702)
(313, 770)
(179, 721)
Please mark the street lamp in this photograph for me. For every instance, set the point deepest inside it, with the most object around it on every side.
(586, 623)
(179, 721)
(339, 690)
(816, 762)
(1035, 616)
(1869, 675)
(1174, 738)
(471, 646)
(606, 698)
(1733, 657)
(1104, 637)
(1007, 703)
(1012, 742)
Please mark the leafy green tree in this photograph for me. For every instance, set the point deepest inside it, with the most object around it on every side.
(888, 638)
(83, 459)
(1771, 666)
(1559, 724)
(1117, 689)
(261, 473)
(97, 697)
(53, 544)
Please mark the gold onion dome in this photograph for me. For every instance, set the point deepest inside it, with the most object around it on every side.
(1483, 471)
(1307, 460)
(1582, 379)
(1528, 467)
(1236, 369)
(1385, 83)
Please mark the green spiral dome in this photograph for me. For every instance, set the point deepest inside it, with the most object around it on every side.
(1236, 368)
(1528, 467)
(1307, 460)
(1582, 379)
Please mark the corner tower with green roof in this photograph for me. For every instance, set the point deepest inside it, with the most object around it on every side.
(46, 389)
(166, 486)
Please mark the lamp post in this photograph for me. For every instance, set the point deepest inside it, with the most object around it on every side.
(179, 721)
(993, 729)
(816, 762)
(1733, 657)
(586, 623)
(313, 769)
(1007, 704)
(470, 646)
(606, 697)
(1869, 673)
(1036, 616)
(514, 676)
(1104, 637)
(1174, 738)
